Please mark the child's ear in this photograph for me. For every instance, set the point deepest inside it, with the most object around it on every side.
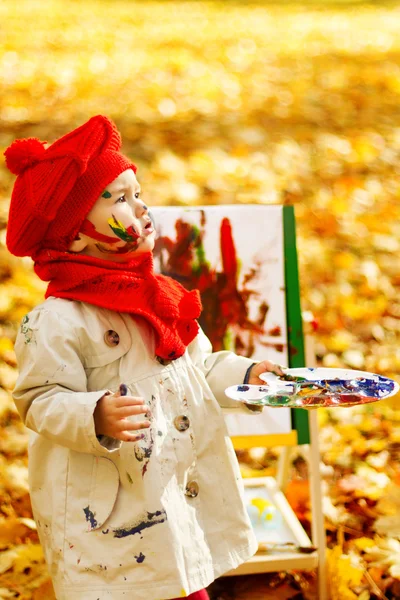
(79, 243)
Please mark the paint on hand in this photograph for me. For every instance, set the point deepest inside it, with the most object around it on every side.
(129, 477)
(90, 517)
(123, 389)
(87, 228)
(140, 558)
(145, 521)
(127, 235)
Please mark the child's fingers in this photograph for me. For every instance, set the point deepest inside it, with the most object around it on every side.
(125, 425)
(128, 401)
(127, 411)
(125, 436)
(278, 370)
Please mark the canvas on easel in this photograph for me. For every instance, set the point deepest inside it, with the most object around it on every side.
(236, 256)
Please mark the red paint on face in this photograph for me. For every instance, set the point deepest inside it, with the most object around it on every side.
(87, 228)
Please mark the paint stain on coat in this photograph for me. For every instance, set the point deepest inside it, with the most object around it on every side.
(61, 368)
(90, 517)
(144, 454)
(27, 332)
(140, 558)
(145, 521)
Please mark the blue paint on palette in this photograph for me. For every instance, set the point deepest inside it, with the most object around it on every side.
(359, 385)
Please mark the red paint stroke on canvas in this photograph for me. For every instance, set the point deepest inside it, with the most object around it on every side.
(225, 305)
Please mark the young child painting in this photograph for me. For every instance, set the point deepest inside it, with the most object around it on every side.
(135, 486)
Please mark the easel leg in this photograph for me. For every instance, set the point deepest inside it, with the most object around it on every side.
(317, 520)
(283, 471)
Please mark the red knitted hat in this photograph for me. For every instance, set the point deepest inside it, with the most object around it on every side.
(57, 187)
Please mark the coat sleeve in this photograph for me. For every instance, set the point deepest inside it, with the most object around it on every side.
(51, 390)
(221, 370)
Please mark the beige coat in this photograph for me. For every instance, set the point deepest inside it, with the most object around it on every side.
(160, 518)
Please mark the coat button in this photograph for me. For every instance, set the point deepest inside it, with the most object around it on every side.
(192, 489)
(111, 338)
(182, 423)
(163, 361)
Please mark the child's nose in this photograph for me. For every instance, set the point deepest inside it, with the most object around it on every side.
(140, 209)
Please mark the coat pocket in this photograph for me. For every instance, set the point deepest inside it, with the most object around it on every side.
(103, 492)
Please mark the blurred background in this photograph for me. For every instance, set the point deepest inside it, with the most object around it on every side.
(222, 103)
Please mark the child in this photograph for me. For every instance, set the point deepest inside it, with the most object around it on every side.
(134, 483)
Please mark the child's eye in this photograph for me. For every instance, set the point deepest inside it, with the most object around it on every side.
(121, 199)
(137, 195)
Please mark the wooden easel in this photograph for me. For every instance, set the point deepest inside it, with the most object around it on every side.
(304, 427)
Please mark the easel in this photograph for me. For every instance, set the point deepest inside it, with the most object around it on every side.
(304, 426)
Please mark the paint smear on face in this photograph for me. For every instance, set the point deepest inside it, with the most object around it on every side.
(106, 194)
(90, 517)
(126, 234)
(130, 247)
(145, 521)
(87, 228)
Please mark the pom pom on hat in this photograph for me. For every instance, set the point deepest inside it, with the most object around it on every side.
(24, 153)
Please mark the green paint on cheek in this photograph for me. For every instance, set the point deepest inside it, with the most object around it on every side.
(106, 194)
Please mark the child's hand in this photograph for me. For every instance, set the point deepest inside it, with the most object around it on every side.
(111, 412)
(254, 379)
(262, 367)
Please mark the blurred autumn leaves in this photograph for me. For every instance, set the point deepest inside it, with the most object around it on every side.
(226, 102)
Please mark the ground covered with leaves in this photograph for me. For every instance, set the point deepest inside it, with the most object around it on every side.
(237, 102)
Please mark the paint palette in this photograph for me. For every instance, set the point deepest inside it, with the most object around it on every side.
(315, 388)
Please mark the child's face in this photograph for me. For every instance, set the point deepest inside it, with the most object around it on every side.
(119, 226)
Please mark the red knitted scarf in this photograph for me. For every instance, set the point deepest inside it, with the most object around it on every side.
(130, 287)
